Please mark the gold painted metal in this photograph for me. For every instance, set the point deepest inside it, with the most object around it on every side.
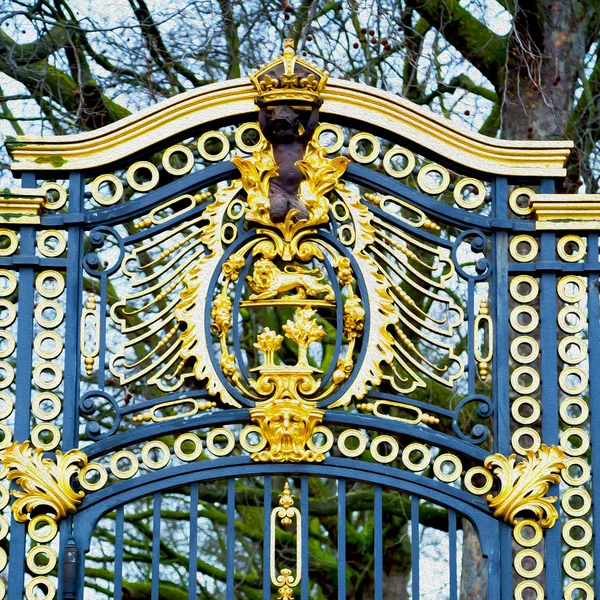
(353, 148)
(46, 484)
(524, 239)
(583, 466)
(471, 487)
(46, 368)
(534, 288)
(419, 415)
(581, 542)
(579, 374)
(576, 432)
(529, 573)
(465, 183)
(49, 323)
(195, 406)
(45, 551)
(524, 485)
(529, 585)
(579, 586)
(36, 534)
(62, 196)
(187, 456)
(408, 156)
(159, 463)
(514, 196)
(329, 440)
(355, 434)
(576, 555)
(90, 314)
(526, 401)
(484, 360)
(142, 187)
(8, 347)
(11, 313)
(246, 445)
(13, 242)
(566, 344)
(438, 467)
(442, 186)
(419, 465)
(524, 340)
(576, 240)
(339, 137)
(287, 513)
(216, 135)
(566, 211)
(21, 206)
(34, 585)
(6, 405)
(583, 495)
(36, 406)
(11, 282)
(565, 292)
(7, 374)
(516, 437)
(128, 473)
(580, 405)
(51, 234)
(101, 473)
(112, 180)
(41, 284)
(239, 137)
(570, 311)
(524, 310)
(4, 527)
(384, 458)
(38, 430)
(524, 388)
(181, 149)
(229, 445)
(538, 533)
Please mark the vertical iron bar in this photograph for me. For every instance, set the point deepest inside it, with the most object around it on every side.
(267, 538)
(304, 520)
(119, 539)
(378, 542)
(341, 541)
(414, 542)
(230, 538)
(452, 554)
(193, 564)
(156, 546)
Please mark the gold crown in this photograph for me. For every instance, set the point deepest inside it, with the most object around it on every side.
(289, 78)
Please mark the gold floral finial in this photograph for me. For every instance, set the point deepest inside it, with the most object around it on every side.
(268, 342)
(524, 484)
(45, 483)
(286, 500)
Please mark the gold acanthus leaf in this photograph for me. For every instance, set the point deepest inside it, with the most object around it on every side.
(524, 484)
(45, 483)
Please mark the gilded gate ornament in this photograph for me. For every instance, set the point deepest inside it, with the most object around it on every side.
(46, 484)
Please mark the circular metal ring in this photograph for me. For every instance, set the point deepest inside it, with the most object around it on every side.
(128, 473)
(329, 440)
(563, 292)
(529, 573)
(340, 210)
(384, 458)
(526, 401)
(187, 456)
(228, 239)
(438, 467)
(466, 182)
(339, 140)
(4, 527)
(468, 481)
(575, 481)
(51, 383)
(38, 344)
(49, 305)
(579, 586)
(567, 311)
(369, 158)
(236, 203)
(521, 432)
(524, 310)
(101, 472)
(584, 411)
(35, 535)
(581, 524)
(433, 189)
(210, 442)
(11, 283)
(13, 242)
(356, 434)
(425, 458)
(575, 555)
(224, 143)
(348, 239)
(521, 539)
(37, 432)
(166, 160)
(528, 341)
(11, 313)
(10, 374)
(524, 239)
(525, 390)
(9, 348)
(117, 187)
(527, 280)
(44, 551)
(36, 407)
(4, 497)
(6, 435)
(586, 502)
(160, 463)
(51, 234)
(574, 432)
(142, 187)
(410, 162)
(573, 390)
(239, 142)
(246, 445)
(43, 277)
(571, 239)
(30, 590)
(60, 190)
(512, 201)
(529, 585)
(563, 348)
(8, 405)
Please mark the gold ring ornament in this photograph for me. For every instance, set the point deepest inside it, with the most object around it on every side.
(59, 243)
(100, 472)
(339, 137)
(515, 195)
(246, 445)
(36, 534)
(568, 295)
(581, 465)
(37, 432)
(129, 472)
(579, 405)
(45, 277)
(326, 446)
(406, 154)
(534, 319)
(117, 189)
(530, 402)
(6, 405)
(578, 555)
(357, 435)
(574, 432)
(529, 573)
(45, 383)
(479, 196)
(47, 553)
(13, 242)
(471, 487)
(137, 166)
(525, 388)
(178, 149)
(529, 585)
(7, 374)
(212, 447)
(34, 585)
(565, 346)
(367, 158)
(585, 527)
(447, 459)
(536, 441)
(569, 312)
(567, 386)
(433, 189)
(51, 305)
(159, 463)
(524, 340)
(584, 497)
(190, 438)
(579, 253)
(579, 586)
(521, 539)
(384, 458)
(41, 339)
(526, 280)
(7, 343)
(528, 240)
(419, 465)
(216, 135)
(61, 199)
(52, 412)
(239, 137)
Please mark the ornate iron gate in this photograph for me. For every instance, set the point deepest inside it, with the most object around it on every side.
(220, 388)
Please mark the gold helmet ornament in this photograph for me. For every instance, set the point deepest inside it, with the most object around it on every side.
(289, 78)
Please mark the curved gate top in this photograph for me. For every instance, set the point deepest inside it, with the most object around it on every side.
(296, 337)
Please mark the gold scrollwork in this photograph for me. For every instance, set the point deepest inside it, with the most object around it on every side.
(524, 485)
(45, 483)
